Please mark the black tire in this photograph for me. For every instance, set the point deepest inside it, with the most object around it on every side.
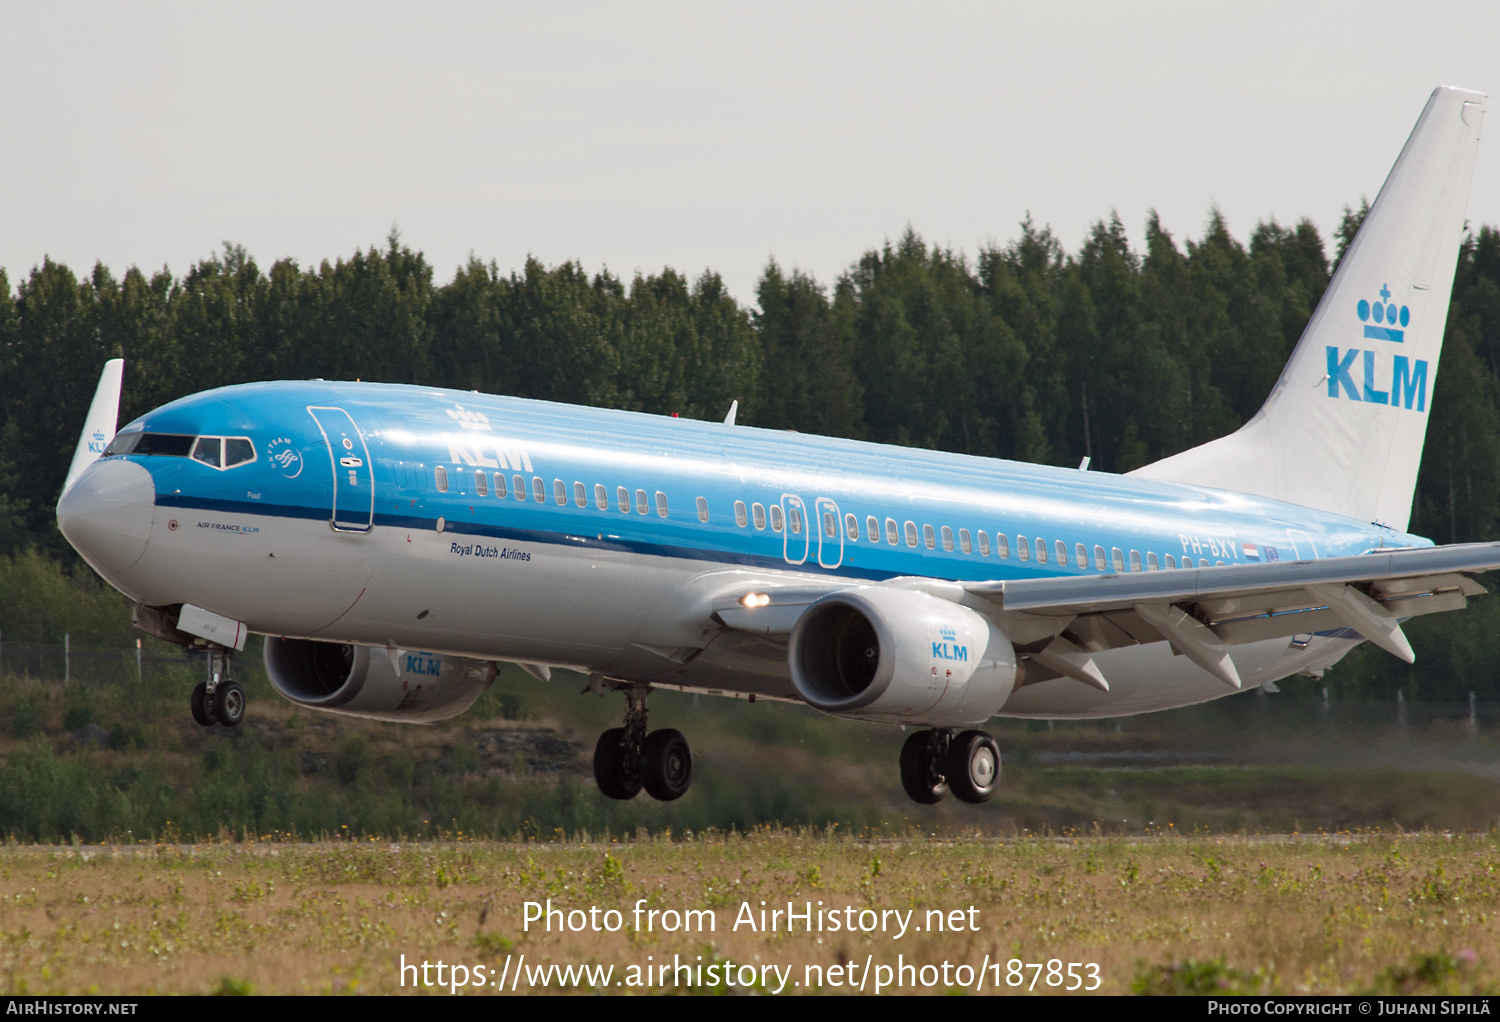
(616, 777)
(916, 772)
(203, 712)
(229, 704)
(973, 767)
(666, 765)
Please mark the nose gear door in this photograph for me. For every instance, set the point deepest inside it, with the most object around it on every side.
(353, 481)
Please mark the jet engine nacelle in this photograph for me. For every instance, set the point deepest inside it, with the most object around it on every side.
(900, 656)
(362, 682)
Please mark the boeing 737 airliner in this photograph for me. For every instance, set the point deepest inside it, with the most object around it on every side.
(395, 542)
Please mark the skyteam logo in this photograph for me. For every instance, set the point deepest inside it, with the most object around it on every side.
(284, 455)
(1384, 320)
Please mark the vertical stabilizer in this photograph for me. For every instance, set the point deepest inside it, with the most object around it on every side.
(99, 427)
(1343, 428)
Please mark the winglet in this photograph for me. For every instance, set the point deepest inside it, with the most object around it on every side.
(734, 406)
(99, 427)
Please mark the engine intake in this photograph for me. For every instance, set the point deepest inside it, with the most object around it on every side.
(900, 656)
(358, 682)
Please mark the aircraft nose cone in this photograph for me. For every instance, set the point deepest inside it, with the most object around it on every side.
(106, 514)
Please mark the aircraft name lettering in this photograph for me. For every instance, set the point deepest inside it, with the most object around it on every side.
(480, 550)
(508, 455)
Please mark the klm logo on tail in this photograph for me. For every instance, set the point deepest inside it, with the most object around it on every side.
(1407, 377)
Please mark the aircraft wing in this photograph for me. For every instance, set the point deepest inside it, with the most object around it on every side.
(1204, 611)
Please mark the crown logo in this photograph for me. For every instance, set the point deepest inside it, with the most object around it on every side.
(1384, 312)
(948, 634)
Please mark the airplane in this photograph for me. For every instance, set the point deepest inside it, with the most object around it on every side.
(395, 544)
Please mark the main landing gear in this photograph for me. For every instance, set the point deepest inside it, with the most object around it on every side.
(219, 700)
(628, 759)
(936, 762)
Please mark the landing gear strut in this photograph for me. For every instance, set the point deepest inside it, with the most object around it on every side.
(936, 762)
(627, 759)
(219, 700)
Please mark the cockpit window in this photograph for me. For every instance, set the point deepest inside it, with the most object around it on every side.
(169, 445)
(123, 443)
(206, 450)
(237, 451)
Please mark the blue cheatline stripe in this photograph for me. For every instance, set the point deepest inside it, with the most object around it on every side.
(1383, 333)
(600, 541)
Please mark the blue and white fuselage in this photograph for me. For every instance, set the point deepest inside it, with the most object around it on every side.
(526, 551)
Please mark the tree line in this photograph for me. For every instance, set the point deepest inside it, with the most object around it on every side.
(1024, 351)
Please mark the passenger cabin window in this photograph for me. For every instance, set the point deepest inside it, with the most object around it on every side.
(851, 528)
(1203, 562)
(1099, 557)
(519, 487)
(911, 533)
(661, 504)
(984, 544)
(1117, 557)
(559, 492)
(481, 484)
(740, 517)
(499, 485)
(1002, 546)
(760, 515)
(641, 506)
(947, 538)
(1171, 562)
(1041, 550)
(580, 495)
(965, 542)
(1152, 564)
(794, 519)
(702, 509)
(623, 496)
(892, 536)
(1135, 560)
(927, 537)
(206, 450)
(601, 497)
(1081, 555)
(1023, 548)
(1061, 549)
(872, 529)
(775, 517)
(538, 489)
(441, 474)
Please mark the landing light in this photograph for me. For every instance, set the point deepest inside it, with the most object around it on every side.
(753, 600)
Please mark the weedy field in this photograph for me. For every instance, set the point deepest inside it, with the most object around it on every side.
(1162, 913)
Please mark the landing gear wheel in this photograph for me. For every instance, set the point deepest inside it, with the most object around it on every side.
(229, 703)
(973, 766)
(920, 776)
(666, 765)
(616, 770)
(202, 706)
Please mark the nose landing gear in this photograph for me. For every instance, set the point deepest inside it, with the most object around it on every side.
(627, 759)
(219, 700)
(934, 762)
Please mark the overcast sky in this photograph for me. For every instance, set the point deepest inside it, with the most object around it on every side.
(706, 135)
